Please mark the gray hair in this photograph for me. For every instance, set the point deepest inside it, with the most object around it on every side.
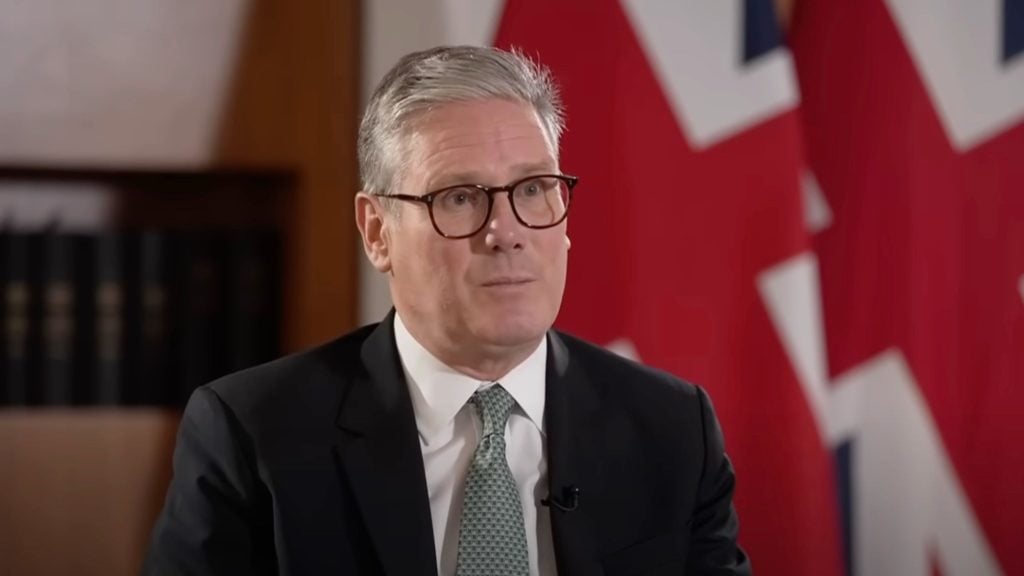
(446, 74)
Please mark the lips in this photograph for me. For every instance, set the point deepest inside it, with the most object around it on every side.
(507, 281)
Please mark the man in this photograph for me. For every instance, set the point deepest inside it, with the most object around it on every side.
(461, 435)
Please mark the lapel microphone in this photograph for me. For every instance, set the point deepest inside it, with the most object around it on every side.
(569, 501)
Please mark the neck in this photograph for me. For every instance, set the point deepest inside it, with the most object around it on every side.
(484, 366)
(479, 361)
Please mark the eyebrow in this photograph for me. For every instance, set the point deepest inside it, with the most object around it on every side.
(521, 170)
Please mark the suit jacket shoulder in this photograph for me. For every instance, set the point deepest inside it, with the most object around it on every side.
(647, 450)
(296, 389)
(603, 364)
(658, 400)
(256, 488)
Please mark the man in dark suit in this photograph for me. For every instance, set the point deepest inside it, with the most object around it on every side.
(461, 435)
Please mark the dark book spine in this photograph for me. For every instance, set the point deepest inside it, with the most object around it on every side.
(20, 303)
(148, 317)
(4, 247)
(58, 320)
(200, 312)
(108, 312)
(254, 297)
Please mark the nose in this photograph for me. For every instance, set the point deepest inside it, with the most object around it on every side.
(504, 231)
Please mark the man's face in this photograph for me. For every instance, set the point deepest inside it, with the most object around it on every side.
(497, 291)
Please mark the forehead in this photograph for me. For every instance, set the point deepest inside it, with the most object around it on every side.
(489, 141)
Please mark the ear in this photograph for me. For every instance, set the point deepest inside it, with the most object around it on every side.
(373, 230)
(568, 242)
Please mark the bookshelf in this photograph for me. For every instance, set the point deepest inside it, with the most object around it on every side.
(133, 287)
(80, 487)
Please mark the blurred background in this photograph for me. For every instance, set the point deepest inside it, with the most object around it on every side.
(812, 208)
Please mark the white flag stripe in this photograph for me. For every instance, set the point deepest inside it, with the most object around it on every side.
(956, 49)
(624, 347)
(908, 501)
(791, 292)
(817, 214)
(696, 50)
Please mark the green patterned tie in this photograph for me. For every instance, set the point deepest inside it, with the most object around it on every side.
(492, 538)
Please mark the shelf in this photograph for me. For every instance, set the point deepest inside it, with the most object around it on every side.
(82, 486)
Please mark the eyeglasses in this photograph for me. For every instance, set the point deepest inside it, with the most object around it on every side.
(538, 202)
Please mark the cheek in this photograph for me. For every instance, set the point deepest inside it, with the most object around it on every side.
(556, 250)
(416, 261)
(440, 270)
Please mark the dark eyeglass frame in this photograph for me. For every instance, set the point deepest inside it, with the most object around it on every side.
(490, 191)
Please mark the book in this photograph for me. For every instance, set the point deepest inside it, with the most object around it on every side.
(200, 311)
(254, 296)
(63, 335)
(19, 299)
(148, 318)
(107, 320)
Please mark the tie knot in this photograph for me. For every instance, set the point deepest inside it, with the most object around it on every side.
(494, 405)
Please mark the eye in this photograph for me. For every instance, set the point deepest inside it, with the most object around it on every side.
(533, 187)
(460, 198)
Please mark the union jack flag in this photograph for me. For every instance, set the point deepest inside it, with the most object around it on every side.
(819, 218)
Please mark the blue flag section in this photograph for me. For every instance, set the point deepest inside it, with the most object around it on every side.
(1013, 29)
(761, 33)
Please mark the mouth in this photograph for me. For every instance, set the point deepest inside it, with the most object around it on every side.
(507, 281)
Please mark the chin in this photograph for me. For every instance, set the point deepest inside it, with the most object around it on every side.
(513, 329)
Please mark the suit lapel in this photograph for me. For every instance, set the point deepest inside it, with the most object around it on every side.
(380, 455)
(572, 420)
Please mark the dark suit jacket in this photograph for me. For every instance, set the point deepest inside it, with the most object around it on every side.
(311, 465)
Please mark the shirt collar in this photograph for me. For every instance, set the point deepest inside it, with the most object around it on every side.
(438, 391)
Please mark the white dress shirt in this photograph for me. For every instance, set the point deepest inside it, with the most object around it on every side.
(449, 430)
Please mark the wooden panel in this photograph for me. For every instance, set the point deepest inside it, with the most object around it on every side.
(294, 104)
(188, 84)
(81, 488)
